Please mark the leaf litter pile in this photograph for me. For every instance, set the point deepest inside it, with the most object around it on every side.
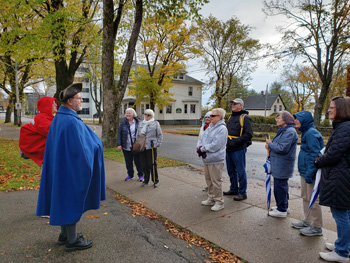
(216, 254)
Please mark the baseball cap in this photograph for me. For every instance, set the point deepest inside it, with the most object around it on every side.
(70, 91)
(238, 101)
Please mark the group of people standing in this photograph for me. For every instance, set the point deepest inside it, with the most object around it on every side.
(145, 161)
(218, 142)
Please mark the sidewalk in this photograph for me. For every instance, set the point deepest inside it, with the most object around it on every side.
(242, 228)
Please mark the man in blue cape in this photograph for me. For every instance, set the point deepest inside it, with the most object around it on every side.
(73, 175)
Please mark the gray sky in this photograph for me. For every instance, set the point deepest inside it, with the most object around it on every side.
(249, 12)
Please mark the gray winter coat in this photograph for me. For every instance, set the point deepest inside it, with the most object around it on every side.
(154, 136)
(213, 143)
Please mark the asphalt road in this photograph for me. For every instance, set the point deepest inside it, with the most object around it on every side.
(183, 148)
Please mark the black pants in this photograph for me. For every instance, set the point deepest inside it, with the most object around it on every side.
(129, 158)
(149, 165)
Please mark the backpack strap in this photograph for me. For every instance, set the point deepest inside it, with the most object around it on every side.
(241, 122)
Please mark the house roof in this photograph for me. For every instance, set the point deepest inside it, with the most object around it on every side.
(188, 80)
(257, 102)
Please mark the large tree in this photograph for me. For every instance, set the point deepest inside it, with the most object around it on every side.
(228, 54)
(165, 43)
(113, 90)
(317, 32)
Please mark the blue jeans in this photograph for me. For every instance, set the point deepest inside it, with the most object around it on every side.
(342, 219)
(280, 190)
(235, 163)
(129, 158)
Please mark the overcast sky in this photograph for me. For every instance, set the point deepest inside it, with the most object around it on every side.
(249, 12)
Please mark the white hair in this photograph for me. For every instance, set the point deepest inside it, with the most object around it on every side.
(221, 112)
(133, 112)
(149, 111)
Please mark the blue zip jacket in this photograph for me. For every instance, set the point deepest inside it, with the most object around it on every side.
(311, 145)
(283, 152)
(123, 132)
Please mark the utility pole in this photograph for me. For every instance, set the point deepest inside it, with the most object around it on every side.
(267, 87)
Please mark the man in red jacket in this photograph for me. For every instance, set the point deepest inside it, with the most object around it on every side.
(32, 138)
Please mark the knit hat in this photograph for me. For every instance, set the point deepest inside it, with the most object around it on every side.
(287, 117)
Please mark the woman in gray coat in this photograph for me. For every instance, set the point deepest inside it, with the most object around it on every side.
(151, 129)
(282, 151)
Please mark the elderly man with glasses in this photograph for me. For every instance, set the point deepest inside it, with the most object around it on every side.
(73, 175)
(240, 134)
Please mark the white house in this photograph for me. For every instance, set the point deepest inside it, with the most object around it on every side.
(186, 109)
(260, 104)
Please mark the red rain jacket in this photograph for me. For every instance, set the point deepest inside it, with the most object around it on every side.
(32, 137)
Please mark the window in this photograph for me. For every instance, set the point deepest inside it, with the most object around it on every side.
(280, 107)
(275, 108)
(278, 100)
(86, 100)
(142, 108)
(85, 90)
(147, 106)
(185, 108)
(168, 109)
(193, 108)
(190, 91)
(161, 111)
(84, 111)
(179, 76)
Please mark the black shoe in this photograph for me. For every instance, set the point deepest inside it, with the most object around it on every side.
(240, 198)
(144, 184)
(79, 244)
(230, 192)
(62, 240)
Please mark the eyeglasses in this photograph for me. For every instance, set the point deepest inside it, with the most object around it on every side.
(331, 108)
(212, 116)
(148, 115)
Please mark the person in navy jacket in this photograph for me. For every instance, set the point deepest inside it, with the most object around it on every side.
(73, 174)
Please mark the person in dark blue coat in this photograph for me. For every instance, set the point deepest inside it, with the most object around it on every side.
(73, 174)
(311, 146)
(282, 156)
(125, 139)
(335, 178)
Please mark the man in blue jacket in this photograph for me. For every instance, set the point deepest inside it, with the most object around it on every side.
(240, 134)
(73, 175)
(311, 145)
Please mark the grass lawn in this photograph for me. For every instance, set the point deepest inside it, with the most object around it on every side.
(17, 173)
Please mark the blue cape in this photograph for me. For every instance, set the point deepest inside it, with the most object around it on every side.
(73, 175)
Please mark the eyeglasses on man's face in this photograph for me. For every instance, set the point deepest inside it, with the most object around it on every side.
(213, 116)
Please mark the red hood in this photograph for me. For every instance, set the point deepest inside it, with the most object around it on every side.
(45, 105)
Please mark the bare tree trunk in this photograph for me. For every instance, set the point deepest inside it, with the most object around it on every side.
(113, 96)
(9, 111)
(319, 105)
(348, 81)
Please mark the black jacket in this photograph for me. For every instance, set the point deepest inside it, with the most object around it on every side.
(234, 129)
(335, 178)
(123, 132)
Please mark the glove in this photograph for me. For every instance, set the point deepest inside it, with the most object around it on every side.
(199, 151)
(316, 162)
(204, 155)
(308, 180)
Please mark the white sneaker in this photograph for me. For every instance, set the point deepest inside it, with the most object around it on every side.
(208, 202)
(330, 246)
(217, 207)
(275, 208)
(276, 213)
(333, 257)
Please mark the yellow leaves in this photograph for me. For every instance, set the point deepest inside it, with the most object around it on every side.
(93, 216)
